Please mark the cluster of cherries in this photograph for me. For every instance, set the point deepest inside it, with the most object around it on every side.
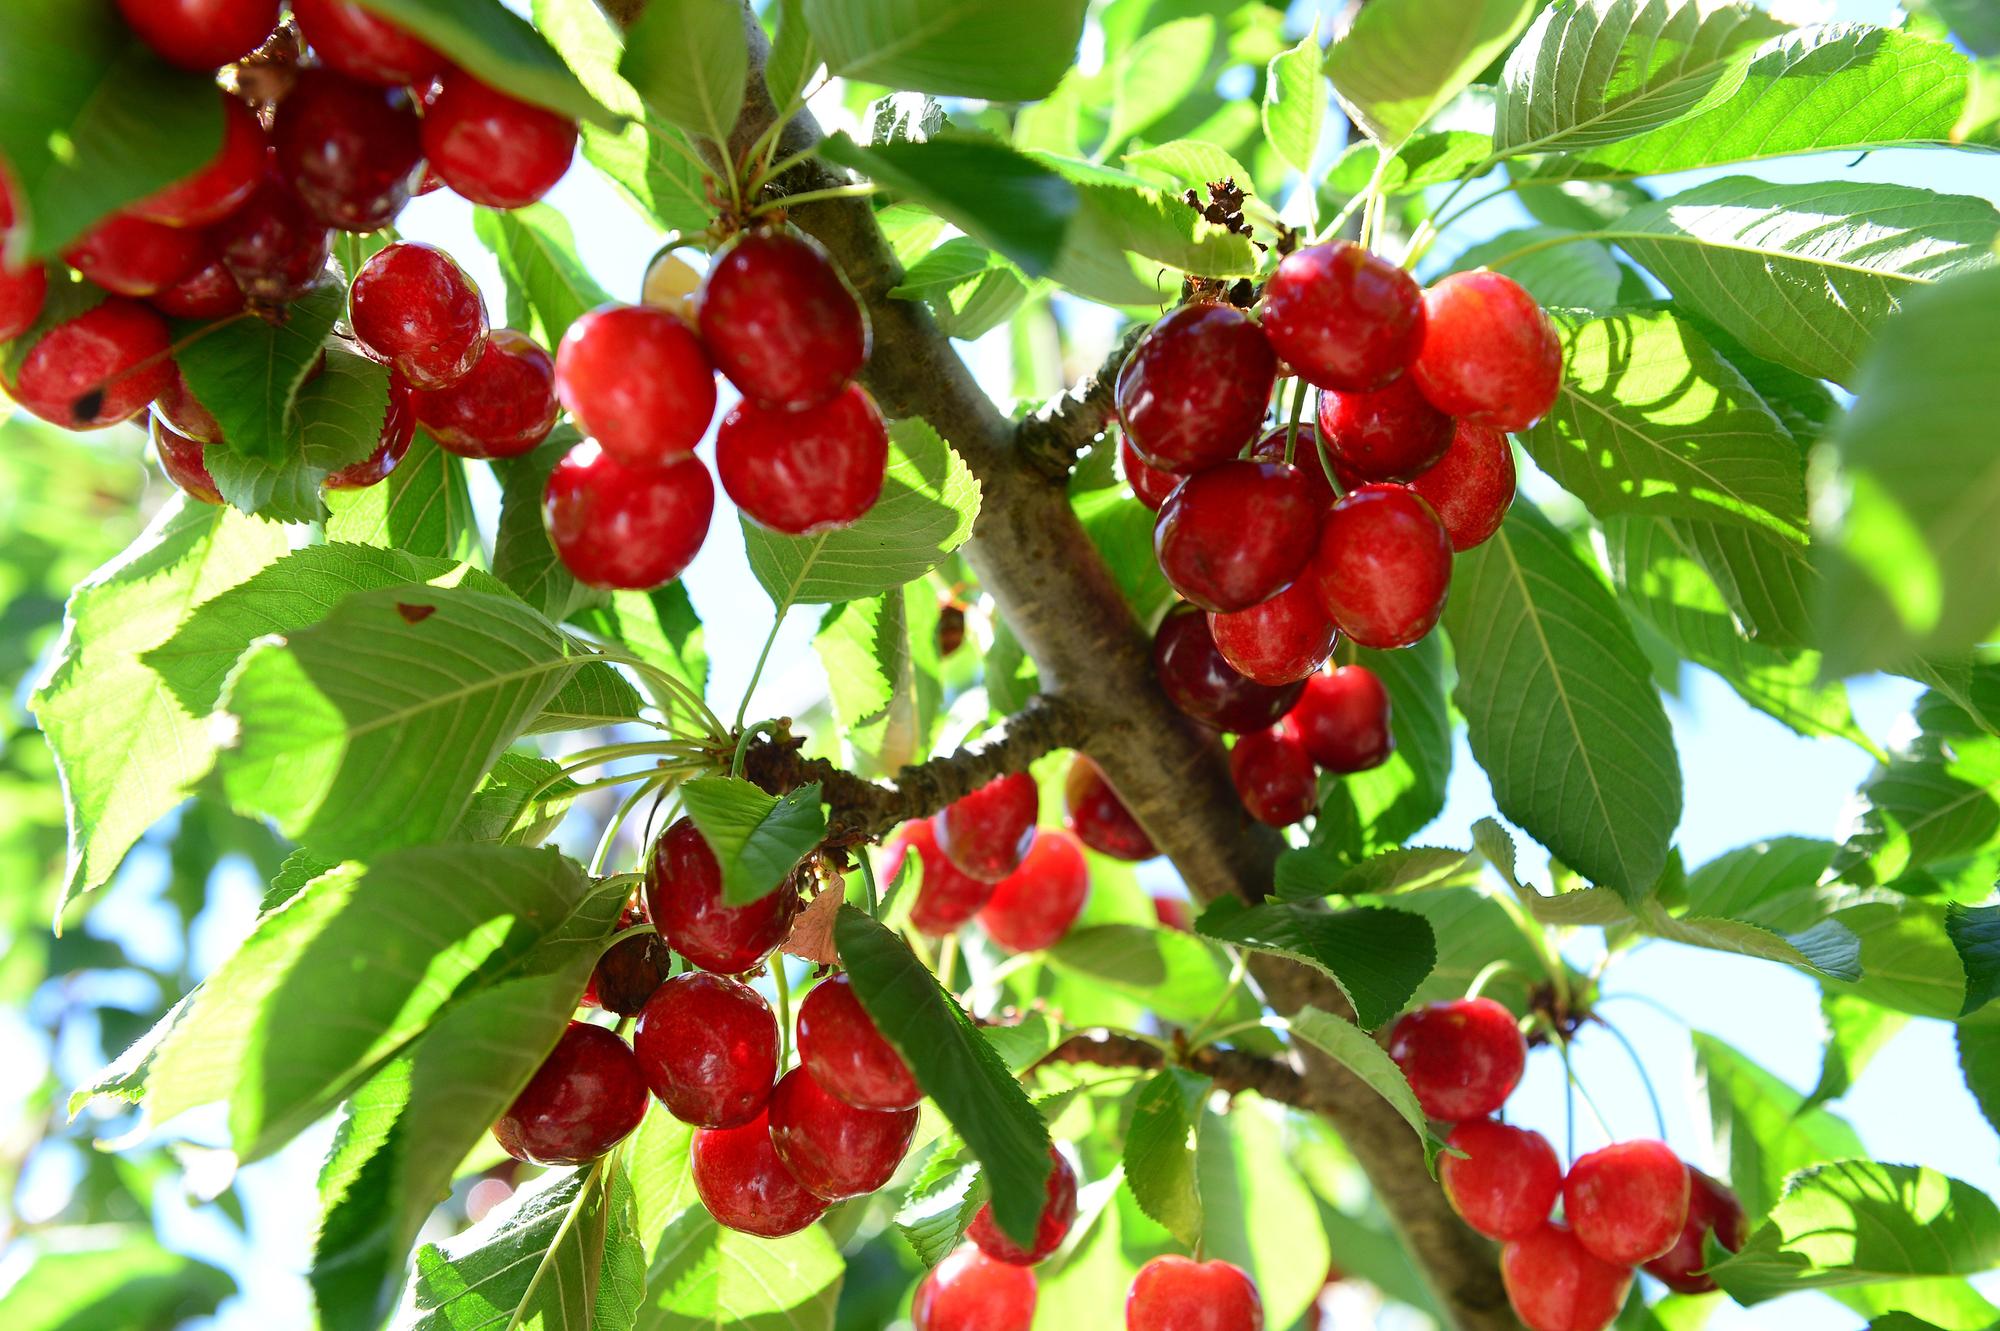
(1632, 1204)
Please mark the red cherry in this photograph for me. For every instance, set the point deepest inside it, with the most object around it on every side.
(1391, 434)
(219, 188)
(638, 382)
(1343, 720)
(1194, 390)
(625, 527)
(1280, 641)
(585, 1098)
(780, 319)
(365, 46)
(1472, 485)
(1033, 907)
(834, 1149)
(708, 1047)
(1236, 534)
(1507, 1181)
(209, 292)
(1712, 1208)
(1383, 566)
(201, 34)
(842, 1047)
(1058, 1214)
(1555, 1285)
(505, 407)
(273, 245)
(629, 972)
(1343, 318)
(415, 310)
(948, 896)
(987, 833)
(1199, 680)
(181, 410)
(1627, 1203)
(969, 1291)
(810, 470)
(1274, 778)
(1490, 353)
(1181, 1294)
(491, 148)
(22, 293)
(133, 257)
(349, 148)
(1305, 456)
(1172, 912)
(98, 369)
(1149, 485)
(1462, 1058)
(745, 1186)
(181, 459)
(1098, 818)
(684, 902)
(399, 428)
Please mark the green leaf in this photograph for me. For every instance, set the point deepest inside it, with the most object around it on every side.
(518, 785)
(539, 262)
(1979, 1063)
(248, 372)
(84, 1276)
(1256, 1211)
(1311, 872)
(1122, 213)
(500, 47)
(882, 672)
(1399, 798)
(1294, 109)
(1587, 204)
(1856, 1031)
(757, 839)
(1187, 164)
(1774, 882)
(1178, 977)
(660, 626)
(1122, 530)
(1377, 956)
(523, 557)
(688, 59)
(1975, 933)
(1580, 274)
(1436, 157)
(1762, 1128)
(1354, 1049)
(425, 507)
(1157, 73)
(340, 414)
(793, 56)
(1160, 1144)
(948, 47)
(1403, 60)
(1933, 804)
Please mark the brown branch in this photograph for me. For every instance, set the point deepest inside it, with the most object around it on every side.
(1052, 437)
(1232, 1070)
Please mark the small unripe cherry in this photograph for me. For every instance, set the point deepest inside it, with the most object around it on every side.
(1033, 907)
(987, 833)
(219, 188)
(1343, 720)
(840, 1044)
(638, 382)
(1472, 485)
(1462, 1058)
(1343, 318)
(969, 1291)
(130, 256)
(780, 320)
(414, 309)
(399, 429)
(182, 461)
(1149, 485)
(684, 901)
(491, 148)
(1281, 641)
(365, 46)
(1556, 1285)
(1236, 534)
(1712, 1209)
(1383, 566)
(835, 1150)
(97, 369)
(670, 285)
(1391, 434)
(1628, 1202)
(1098, 817)
(1058, 1214)
(947, 896)
(739, 1178)
(1505, 1183)
(1199, 680)
(811, 470)
(1194, 390)
(201, 35)
(1175, 1293)
(708, 1047)
(1490, 353)
(630, 971)
(585, 1098)
(503, 408)
(1273, 776)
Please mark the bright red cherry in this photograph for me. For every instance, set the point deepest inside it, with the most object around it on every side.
(399, 429)
(708, 1047)
(1712, 1208)
(1343, 318)
(638, 382)
(1391, 434)
(842, 1047)
(415, 310)
(505, 407)
(209, 292)
(1033, 907)
(969, 1291)
(1098, 818)
(780, 319)
(810, 470)
(1472, 485)
(493, 149)
(1281, 641)
(835, 1150)
(1490, 353)
(180, 409)
(349, 148)
(1507, 1181)
(219, 188)
(947, 896)
(273, 245)
(1343, 720)
(1200, 681)
(1194, 390)
(1556, 1285)
(23, 291)
(684, 902)
(745, 1186)
(133, 257)
(1383, 566)
(1058, 1214)
(1236, 534)
(1462, 1058)
(1150, 486)
(1305, 456)
(1173, 913)
(201, 34)
(630, 971)
(1627, 1203)
(987, 833)
(1274, 778)
(585, 1098)
(366, 46)
(181, 459)
(1181, 1294)
(98, 369)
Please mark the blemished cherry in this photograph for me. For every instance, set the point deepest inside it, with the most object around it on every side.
(365, 46)
(201, 34)
(1490, 353)
(1098, 818)
(638, 382)
(708, 1047)
(969, 1291)
(505, 407)
(1383, 566)
(209, 292)
(947, 896)
(780, 320)
(842, 1047)
(1712, 1208)
(216, 190)
(1234, 535)
(1628, 1202)
(1281, 641)
(1173, 913)
(1391, 434)
(273, 245)
(1058, 1214)
(1033, 907)
(834, 1149)
(1472, 486)
(1193, 391)
(1343, 720)
(399, 429)
(987, 833)
(1274, 777)
(1462, 1058)
(414, 309)
(491, 148)
(631, 970)
(1507, 1181)
(130, 256)
(1305, 456)
(1342, 317)
(98, 369)
(585, 1098)
(811, 470)
(1150, 486)
(1556, 1285)
(745, 1186)
(1199, 680)
(684, 902)
(349, 148)
(1180, 1294)
(181, 459)
(182, 411)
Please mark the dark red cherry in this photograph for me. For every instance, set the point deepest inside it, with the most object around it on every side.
(1627, 1203)
(745, 1186)
(1274, 778)
(201, 34)
(1058, 1214)
(1173, 913)
(780, 319)
(1236, 534)
(1280, 641)
(638, 382)
(181, 459)
(708, 1047)
(1383, 566)
(133, 257)
(684, 901)
(273, 245)
(626, 527)
(947, 896)
(505, 407)
(1149, 485)
(1305, 456)
(1472, 485)
(1098, 818)
(1343, 720)
(1343, 318)
(1180, 1294)
(1391, 434)
(1194, 390)
(415, 310)
(969, 1291)
(1033, 907)
(98, 369)
(183, 412)
(1555, 1285)
(399, 429)
(810, 470)
(1462, 1058)
(366, 46)
(1200, 681)
(219, 188)
(585, 1098)
(834, 1149)
(209, 292)
(987, 833)
(1506, 1182)
(493, 149)
(1712, 1209)
(348, 148)
(841, 1046)
(630, 971)
(1490, 354)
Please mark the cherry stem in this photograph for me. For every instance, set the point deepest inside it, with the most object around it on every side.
(947, 966)
(617, 823)
(781, 982)
(1239, 967)
(1238, 1027)
(1298, 411)
(784, 201)
(1575, 1087)
(743, 743)
(1492, 971)
(867, 864)
(757, 671)
(1639, 1066)
(1654, 1004)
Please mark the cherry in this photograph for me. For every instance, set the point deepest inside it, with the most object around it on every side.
(349, 148)
(415, 310)
(365, 46)
(1199, 680)
(835, 1150)
(987, 833)
(209, 292)
(1391, 434)
(181, 459)
(505, 407)
(399, 428)
(585, 1098)
(684, 901)
(1343, 720)
(780, 319)
(1098, 818)
(493, 149)
(811, 470)
(1058, 1214)
(273, 245)
(1628, 1202)
(23, 291)
(180, 409)
(98, 369)
(1472, 485)
(1556, 1285)
(624, 527)
(969, 1291)
(1149, 485)
(638, 382)
(219, 188)
(948, 896)
(133, 257)
(708, 1047)
(1507, 1181)
(1033, 907)
(950, 632)
(1236, 534)
(1383, 566)
(1280, 641)
(842, 1047)
(201, 34)
(1462, 1058)
(1180, 1294)
(1172, 912)
(1489, 354)
(745, 1186)
(1274, 777)
(1305, 456)
(1194, 390)
(630, 971)
(1343, 318)
(1712, 1208)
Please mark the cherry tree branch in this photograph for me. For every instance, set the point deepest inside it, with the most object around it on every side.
(1052, 437)
(1232, 1070)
